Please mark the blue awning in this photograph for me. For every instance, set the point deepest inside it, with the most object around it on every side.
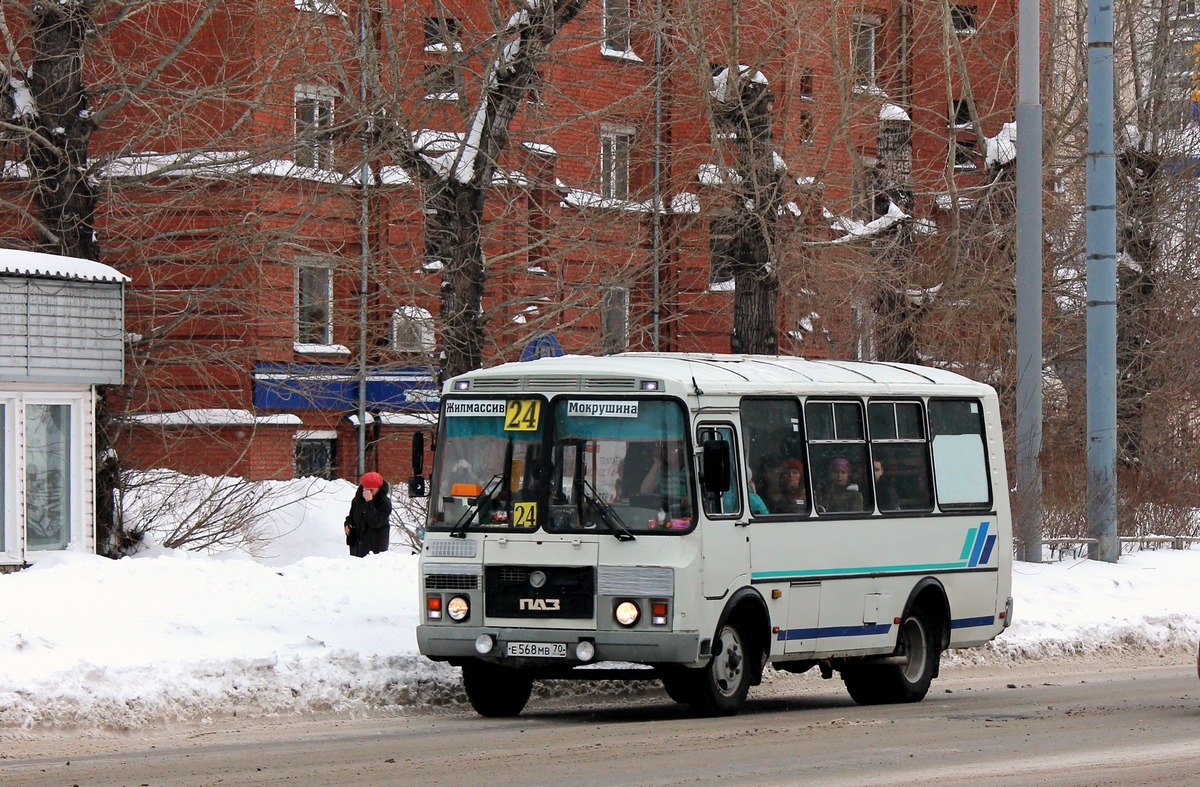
(289, 386)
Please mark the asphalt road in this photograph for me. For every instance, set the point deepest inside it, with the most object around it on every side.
(1098, 722)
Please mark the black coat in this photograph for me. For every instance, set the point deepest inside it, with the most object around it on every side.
(369, 523)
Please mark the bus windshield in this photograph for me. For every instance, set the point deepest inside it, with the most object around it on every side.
(622, 461)
(488, 456)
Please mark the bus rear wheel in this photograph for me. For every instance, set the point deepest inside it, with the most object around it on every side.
(494, 691)
(720, 688)
(893, 683)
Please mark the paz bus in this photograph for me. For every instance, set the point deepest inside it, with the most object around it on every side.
(638, 516)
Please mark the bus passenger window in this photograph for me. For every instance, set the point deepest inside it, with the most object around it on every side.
(838, 452)
(729, 502)
(773, 436)
(900, 454)
(960, 466)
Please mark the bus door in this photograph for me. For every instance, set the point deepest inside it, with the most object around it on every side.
(724, 537)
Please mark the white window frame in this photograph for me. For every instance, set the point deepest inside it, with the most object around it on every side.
(967, 14)
(315, 436)
(420, 321)
(862, 68)
(610, 39)
(962, 137)
(301, 266)
(314, 142)
(614, 170)
(80, 482)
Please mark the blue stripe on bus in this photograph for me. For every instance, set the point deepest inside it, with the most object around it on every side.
(864, 630)
(966, 623)
(979, 539)
(987, 550)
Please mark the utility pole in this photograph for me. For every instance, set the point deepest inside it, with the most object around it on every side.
(1101, 289)
(1029, 282)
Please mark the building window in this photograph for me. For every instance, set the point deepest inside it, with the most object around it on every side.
(314, 120)
(963, 19)
(439, 83)
(614, 311)
(314, 454)
(1187, 8)
(327, 7)
(314, 304)
(962, 135)
(722, 237)
(807, 90)
(442, 34)
(47, 476)
(616, 25)
(871, 200)
(412, 330)
(806, 127)
(614, 163)
(3, 474)
(862, 50)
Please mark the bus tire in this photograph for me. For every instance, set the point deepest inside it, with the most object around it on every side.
(678, 684)
(893, 683)
(493, 691)
(720, 688)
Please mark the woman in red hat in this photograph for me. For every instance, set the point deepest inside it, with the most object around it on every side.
(368, 524)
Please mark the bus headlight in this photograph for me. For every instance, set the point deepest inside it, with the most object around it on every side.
(627, 613)
(458, 608)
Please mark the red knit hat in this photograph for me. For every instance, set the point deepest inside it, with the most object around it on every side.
(372, 481)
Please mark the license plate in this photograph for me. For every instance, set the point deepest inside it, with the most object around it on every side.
(550, 650)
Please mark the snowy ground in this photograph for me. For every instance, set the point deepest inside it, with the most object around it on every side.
(178, 636)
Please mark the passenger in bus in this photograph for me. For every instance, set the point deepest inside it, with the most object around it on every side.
(841, 495)
(885, 490)
(754, 499)
(789, 495)
(669, 480)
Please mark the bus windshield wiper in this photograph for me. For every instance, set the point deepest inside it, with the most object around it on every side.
(485, 497)
(608, 515)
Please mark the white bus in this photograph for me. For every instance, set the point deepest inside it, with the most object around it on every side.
(638, 516)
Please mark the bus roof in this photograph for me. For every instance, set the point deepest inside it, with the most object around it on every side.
(713, 373)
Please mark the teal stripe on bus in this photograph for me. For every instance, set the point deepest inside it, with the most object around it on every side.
(816, 572)
(968, 543)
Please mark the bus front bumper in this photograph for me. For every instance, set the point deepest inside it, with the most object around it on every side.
(441, 643)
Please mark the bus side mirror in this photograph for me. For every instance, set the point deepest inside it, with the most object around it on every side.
(715, 466)
(416, 484)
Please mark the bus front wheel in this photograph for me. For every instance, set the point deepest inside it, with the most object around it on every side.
(720, 688)
(496, 691)
(892, 683)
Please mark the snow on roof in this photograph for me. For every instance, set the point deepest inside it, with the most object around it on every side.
(721, 373)
(14, 262)
(539, 148)
(214, 417)
(892, 112)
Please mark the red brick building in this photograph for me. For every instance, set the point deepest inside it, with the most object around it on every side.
(280, 281)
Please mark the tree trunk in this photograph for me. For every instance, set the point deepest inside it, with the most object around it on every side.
(454, 226)
(58, 142)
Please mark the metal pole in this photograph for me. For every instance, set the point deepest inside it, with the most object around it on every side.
(656, 219)
(1101, 288)
(365, 250)
(1029, 282)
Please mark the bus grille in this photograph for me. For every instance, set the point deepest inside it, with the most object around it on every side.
(451, 582)
(569, 592)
